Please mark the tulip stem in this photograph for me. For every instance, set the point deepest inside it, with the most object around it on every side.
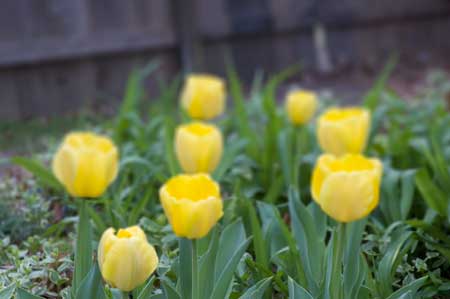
(195, 290)
(125, 295)
(83, 250)
(338, 259)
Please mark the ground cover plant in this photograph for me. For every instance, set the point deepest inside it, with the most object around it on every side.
(213, 192)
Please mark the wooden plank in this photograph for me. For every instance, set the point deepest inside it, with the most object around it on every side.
(213, 18)
(52, 49)
(9, 105)
(51, 18)
(288, 15)
(190, 45)
(12, 26)
(54, 89)
(292, 14)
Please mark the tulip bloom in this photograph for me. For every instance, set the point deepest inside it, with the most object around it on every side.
(126, 259)
(192, 203)
(300, 106)
(347, 187)
(203, 96)
(343, 130)
(86, 164)
(198, 147)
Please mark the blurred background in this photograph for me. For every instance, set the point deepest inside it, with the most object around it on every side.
(60, 56)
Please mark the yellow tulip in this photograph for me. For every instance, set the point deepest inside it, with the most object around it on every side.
(203, 96)
(192, 203)
(126, 259)
(86, 164)
(198, 147)
(347, 187)
(300, 106)
(343, 130)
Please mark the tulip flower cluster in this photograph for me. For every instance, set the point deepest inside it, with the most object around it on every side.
(345, 183)
(342, 134)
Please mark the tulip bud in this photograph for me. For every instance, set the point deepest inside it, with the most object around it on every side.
(346, 188)
(343, 130)
(300, 106)
(126, 259)
(203, 96)
(198, 147)
(86, 164)
(192, 203)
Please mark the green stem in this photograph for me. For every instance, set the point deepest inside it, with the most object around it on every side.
(338, 260)
(298, 138)
(195, 282)
(125, 295)
(83, 250)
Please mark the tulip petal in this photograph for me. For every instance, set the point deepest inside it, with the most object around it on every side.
(348, 196)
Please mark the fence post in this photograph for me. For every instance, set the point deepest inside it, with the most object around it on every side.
(190, 45)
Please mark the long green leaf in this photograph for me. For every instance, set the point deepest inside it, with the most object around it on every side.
(7, 292)
(83, 250)
(232, 246)
(297, 292)
(41, 172)
(91, 286)
(207, 266)
(23, 294)
(410, 289)
(432, 195)
(257, 291)
(185, 268)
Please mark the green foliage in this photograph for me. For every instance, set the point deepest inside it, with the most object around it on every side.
(273, 241)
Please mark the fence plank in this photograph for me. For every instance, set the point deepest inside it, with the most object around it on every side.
(295, 15)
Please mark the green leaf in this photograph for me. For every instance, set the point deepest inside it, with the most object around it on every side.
(297, 292)
(258, 240)
(7, 292)
(309, 242)
(185, 268)
(207, 266)
(168, 144)
(83, 250)
(130, 104)
(240, 112)
(147, 289)
(372, 98)
(92, 285)
(285, 154)
(40, 171)
(232, 246)
(391, 259)
(257, 291)
(433, 196)
(227, 160)
(169, 289)
(410, 290)
(23, 294)
(354, 268)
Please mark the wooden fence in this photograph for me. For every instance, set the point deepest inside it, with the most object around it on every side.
(59, 55)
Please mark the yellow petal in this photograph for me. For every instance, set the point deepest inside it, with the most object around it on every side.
(348, 196)
(198, 147)
(126, 260)
(300, 106)
(203, 96)
(343, 130)
(128, 263)
(346, 187)
(192, 204)
(64, 167)
(86, 164)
